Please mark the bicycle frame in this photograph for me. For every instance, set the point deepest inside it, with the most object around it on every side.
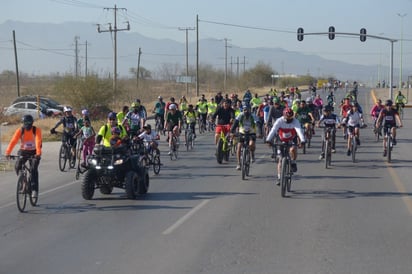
(245, 155)
(285, 170)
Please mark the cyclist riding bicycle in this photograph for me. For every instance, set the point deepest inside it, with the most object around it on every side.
(225, 115)
(135, 118)
(70, 128)
(246, 124)
(159, 110)
(30, 144)
(375, 110)
(201, 108)
(287, 128)
(173, 124)
(390, 118)
(330, 120)
(400, 100)
(88, 135)
(190, 118)
(150, 137)
(305, 116)
(353, 121)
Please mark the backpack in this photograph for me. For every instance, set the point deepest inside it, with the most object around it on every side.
(34, 133)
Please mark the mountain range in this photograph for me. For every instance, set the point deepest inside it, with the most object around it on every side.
(46, 48)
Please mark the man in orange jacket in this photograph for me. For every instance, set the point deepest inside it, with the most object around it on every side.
(30, 145)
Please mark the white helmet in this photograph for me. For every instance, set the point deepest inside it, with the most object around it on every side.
(67, 109)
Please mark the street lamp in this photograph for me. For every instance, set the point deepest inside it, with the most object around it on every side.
(400, 64)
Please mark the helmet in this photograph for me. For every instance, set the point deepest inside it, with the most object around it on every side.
(276, 100)
(309, 100)
(148, 126)
(172, 106)
(288, 112)
(388, 103)
(160, 97)
(67, 109)
(134, 105)
(115, 130)
(85, 112)
(111, 115)
(190, 106)
(328, 108)
(27, 121)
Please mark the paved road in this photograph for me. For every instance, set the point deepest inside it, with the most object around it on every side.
(200, 217)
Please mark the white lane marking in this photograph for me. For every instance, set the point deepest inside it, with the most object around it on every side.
(185, 218)
(42, 193)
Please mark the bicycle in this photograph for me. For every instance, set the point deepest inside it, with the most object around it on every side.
(389, 143)
(202, 125)
(209, 124)
(24, 187)
(80, 169)
(286, 173)
(159, 125)
(174, 148)
(223, 148)
(65, 154)
(308, 137)
(149, 156)
(189, 138)
(245, 154)
(400, 110)
(377, 132)
(327, 145)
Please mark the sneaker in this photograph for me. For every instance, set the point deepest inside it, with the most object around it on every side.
(294, 167)
(253, 159)
(384, 153)
(83, 165)
(278, 181)
(358, 141)
(322, 156)
(34, 194)
(394, 142)
(333, 150)
(169, 152)
(348, 152)
(238, 167)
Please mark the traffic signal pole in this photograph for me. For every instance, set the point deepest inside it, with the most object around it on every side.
(362, 35)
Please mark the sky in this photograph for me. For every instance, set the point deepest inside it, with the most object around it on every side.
(247, 24)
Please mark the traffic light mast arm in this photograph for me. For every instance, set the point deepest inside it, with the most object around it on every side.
(351, 34)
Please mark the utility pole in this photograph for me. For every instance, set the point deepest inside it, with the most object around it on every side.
(85, 69)
(401, 43)
(197, 55)
(225, 79)
(114, 30)
(187, 58)
(17, 64)
(76, 54)
(138, 69)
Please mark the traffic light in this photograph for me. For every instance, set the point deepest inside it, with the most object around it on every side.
(300, 34)
(363, 34)
(331, 32)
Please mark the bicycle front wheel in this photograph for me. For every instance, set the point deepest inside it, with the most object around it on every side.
(328, 154)
(389, 148)
(283, 176)
(354, 148)
(21, 193)
(156, 164)
(62, 157)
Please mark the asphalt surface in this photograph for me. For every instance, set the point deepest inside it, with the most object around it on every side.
(200, 217)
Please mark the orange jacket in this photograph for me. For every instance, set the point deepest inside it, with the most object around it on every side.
(28, 141)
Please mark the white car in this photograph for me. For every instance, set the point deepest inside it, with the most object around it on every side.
(23, 108)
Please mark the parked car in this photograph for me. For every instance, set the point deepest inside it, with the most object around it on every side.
(23, 108)
(49, 102)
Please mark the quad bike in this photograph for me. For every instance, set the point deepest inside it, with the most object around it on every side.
(115, 167)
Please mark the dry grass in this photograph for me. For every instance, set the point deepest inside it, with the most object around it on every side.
(147, 92)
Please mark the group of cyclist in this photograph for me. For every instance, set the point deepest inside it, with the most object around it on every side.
(273, 116)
